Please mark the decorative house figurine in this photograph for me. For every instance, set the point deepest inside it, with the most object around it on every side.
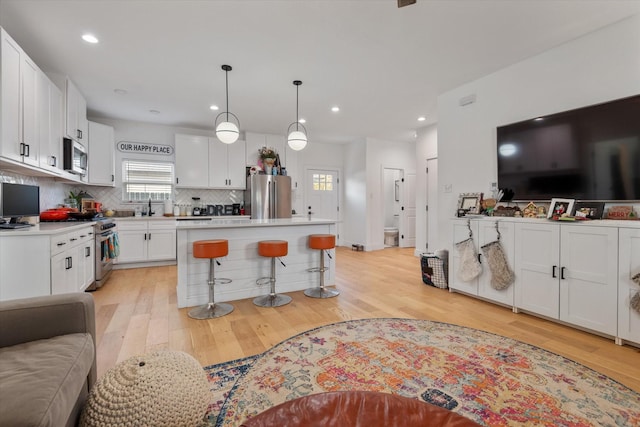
(530, 211)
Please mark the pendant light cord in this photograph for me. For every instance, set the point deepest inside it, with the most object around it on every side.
(297, 119)
(226, 78)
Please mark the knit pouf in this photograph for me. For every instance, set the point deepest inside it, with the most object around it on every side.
(165, 388)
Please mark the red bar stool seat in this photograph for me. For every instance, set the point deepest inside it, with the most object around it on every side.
(272, 249)
(322, 242)
(211, 249)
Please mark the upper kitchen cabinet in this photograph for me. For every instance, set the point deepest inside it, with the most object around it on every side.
(101, 147)
(227, 165)
(50, 106)
(192, 161)
(76, 113)
(18, 99)
(288, 157)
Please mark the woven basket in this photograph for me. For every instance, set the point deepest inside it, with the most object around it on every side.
(165, 388)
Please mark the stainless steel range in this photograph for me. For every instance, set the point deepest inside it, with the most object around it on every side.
(106, 232)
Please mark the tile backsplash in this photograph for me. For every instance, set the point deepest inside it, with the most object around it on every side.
(52, 193)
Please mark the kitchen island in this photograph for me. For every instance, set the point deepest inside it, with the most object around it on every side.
(243, 265)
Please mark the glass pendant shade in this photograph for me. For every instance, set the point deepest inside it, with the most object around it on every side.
(227, 132)
(297, 140)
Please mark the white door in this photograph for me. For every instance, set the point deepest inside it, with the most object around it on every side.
(432, 204)
(321, 195)
(408, 212)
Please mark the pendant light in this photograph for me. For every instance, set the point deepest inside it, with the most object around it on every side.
(297, 138)
(227, 130)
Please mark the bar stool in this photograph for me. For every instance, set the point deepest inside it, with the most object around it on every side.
(211, 249)
(272, 249)
(322, 242)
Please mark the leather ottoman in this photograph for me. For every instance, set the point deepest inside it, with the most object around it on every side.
(357, 408)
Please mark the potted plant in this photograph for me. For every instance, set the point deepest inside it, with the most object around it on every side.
(268, 156)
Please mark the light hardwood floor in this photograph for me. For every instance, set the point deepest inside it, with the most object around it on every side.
(136, 313)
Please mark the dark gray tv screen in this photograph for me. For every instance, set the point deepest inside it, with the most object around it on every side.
(591, 153)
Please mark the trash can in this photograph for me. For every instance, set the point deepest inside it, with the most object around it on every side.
(435, 268)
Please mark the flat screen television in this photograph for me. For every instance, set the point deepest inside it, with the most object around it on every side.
(19, 200)
(591, 153)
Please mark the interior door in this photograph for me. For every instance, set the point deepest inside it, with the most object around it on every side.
(408, 213)
(432, 204)
(322, 194)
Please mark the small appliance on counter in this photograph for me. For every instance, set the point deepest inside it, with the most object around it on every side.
(197, 210)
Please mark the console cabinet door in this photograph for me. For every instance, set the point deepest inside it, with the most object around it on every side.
(461, 232)
(589, 277)
(537, 268)
(487, 233)
(629, 266)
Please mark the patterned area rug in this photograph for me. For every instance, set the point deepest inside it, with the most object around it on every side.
(494, 380)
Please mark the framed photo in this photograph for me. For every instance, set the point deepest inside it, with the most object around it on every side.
(559, 207)
(589, 210)
(470, 202)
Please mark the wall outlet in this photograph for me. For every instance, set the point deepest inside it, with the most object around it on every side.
(494, 185)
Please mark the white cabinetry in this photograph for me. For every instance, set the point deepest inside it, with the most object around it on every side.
(629, 265)
(226, 165)
(40, 264)
(22, 275)
(50, 108)
(537, 259)
(569, 273)
(72, 261)
(146, 240)
(18, 96)
(203, 162)
(76, 113)
(192, 161)
(101, 153)
(483, 232)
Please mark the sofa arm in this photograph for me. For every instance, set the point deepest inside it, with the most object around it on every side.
(31, 319)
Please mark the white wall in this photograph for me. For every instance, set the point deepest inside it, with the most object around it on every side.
(379, 155)
(355, 194)
(598, 67)
(426, 148)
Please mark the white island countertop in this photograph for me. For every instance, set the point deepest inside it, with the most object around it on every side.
(214, 222)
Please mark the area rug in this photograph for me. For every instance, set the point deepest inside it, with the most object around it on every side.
(493, 380)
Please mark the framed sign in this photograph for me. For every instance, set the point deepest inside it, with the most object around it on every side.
(589, 210)
(470, 202)
(144, 148)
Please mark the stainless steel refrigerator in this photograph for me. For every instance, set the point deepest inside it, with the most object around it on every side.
(268, 196)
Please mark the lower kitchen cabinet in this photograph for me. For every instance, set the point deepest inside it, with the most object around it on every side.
(43, 264)
(629, 266)
(72, 261)
(146, 240)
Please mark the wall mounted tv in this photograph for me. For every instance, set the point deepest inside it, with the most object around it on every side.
(591, 153)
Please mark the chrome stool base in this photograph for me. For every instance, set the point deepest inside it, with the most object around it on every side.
(272, 300)
(210, 311)
(321, 293)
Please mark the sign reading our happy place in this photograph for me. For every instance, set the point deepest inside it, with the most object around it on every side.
(144, 148)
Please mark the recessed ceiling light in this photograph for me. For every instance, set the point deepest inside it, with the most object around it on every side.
(214, 108)
(422, 118)
(302, 121)
(120, 91)
(154, 111)
(90, 38)
(335, 109)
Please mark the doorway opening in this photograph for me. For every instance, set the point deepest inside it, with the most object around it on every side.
(392, 196)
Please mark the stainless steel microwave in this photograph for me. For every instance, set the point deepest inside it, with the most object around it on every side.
(74, 157)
